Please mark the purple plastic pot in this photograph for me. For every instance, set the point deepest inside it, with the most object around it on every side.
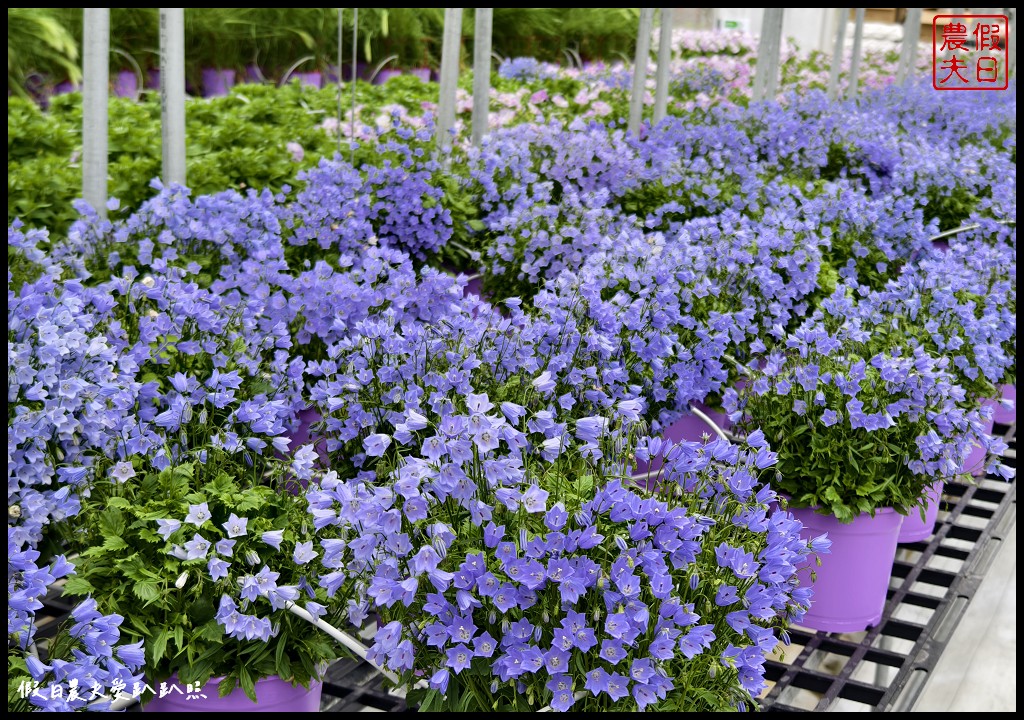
(153, 79)
(272, 695)
(331, 75)
(217, 82)
(914, 529)
(975, 462)
(313, 79)
(126, 84)
(423, 73)
(851, 585)
(304, 435)
(1002, 415)
(253, 74)
(64, 87)
(475, 286)
(384, 75)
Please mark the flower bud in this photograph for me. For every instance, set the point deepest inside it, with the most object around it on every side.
(180, 582)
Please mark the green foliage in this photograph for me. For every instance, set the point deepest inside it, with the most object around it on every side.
(171, 603)
(37, 42)
(844, 470)
(951, 205)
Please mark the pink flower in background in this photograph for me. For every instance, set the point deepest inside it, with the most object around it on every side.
(560, 101)
(296, 151)
(539, 96)
(600, 108)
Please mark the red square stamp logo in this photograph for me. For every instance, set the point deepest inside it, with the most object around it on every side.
(970, 52)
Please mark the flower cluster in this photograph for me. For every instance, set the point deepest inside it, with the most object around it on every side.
(86, 667)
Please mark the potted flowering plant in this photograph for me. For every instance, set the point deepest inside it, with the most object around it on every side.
(863, 424)
(192, 525)
(487, 514)
(203, 563)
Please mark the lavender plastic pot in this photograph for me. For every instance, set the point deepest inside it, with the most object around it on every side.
(851, 585)
(64, 87)
(272, 695)
(975, 462)
(153, 79)
(304, 435)
(384, 75)
(253, 74)
(914, 529)
(423, 73)
(690, 428)
(217, 82)
(310, 79)
(475, 286)
(1006, 416)
(126, 84)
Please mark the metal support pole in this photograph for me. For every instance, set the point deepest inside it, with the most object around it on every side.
(449, 75)
(664, 65)
(172, 93)
(355, 58)
(643, 52)
(837, 55)
(481, 72)
(95, 93)
(1011, 43)
(858, 36)
(341, 44)
(766, 75)
(908, 50)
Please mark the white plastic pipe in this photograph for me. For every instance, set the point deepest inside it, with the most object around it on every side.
(341, 44)
(483, 23)
(1012, 33)
(355, 47)
(643, 52)
(172, 93)
(361, 651)
(837, 55)
(710, 423)
(449, 75)
(95, 95)
(908, 51)
(858, 36)
(664, 65)
(769, 48)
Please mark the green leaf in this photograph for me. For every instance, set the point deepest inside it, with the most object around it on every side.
(158, 646)
(112, 523)
(282, 663)
(146, 590)
(247, 680)
(113, 543)
(77, 585)
(227, 685)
